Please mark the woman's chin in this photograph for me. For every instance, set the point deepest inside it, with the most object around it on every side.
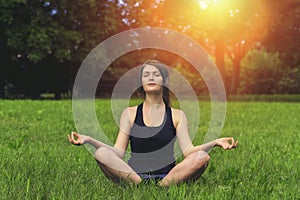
(153, 91)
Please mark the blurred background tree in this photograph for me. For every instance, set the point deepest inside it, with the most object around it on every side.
(254, 43)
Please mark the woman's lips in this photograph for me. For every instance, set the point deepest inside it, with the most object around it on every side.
(151, 84)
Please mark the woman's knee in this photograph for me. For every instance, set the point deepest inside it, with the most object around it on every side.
(102, 154)
(204, 155)
(201, 158)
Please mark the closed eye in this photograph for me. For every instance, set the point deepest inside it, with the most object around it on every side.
(156, 73)
(146, 74)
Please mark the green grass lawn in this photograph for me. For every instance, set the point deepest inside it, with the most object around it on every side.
(38, 162)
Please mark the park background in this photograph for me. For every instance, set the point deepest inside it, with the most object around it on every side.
(254, 43)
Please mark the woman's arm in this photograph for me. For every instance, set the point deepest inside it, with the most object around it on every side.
(185, 142)
(79, 139)
(121, 143)
(226, 143)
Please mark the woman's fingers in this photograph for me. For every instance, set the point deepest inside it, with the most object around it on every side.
(78, 140)
(69, 138)
(232, 142)
(76, 135)
(73, 140)
(236, 143)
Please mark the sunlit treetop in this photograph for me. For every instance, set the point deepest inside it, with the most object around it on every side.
(232, 18)
(219, 7)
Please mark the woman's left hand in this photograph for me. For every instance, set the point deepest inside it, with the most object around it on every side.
(226, 143)
(77, 139)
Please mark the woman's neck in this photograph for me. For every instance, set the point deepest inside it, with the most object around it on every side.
(153, 99)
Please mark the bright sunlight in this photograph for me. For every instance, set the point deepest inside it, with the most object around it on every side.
(219, 6)
(204, 4)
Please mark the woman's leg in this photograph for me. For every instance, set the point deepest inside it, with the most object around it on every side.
(190, 168)
(114, 167)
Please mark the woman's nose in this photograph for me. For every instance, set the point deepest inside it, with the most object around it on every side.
(151, 77)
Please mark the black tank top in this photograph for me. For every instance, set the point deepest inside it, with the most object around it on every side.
(152, 148)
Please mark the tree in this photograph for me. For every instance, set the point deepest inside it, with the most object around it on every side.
(222, 27)
(63, 32)
(35, 32)
(283, 38)
(265, 73)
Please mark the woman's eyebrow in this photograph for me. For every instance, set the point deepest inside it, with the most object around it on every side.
(151, 71)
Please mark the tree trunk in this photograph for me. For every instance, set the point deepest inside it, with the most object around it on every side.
(220, 57)
(237, 56)
(235, 78)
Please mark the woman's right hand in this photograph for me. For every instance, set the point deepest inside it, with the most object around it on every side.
(227, 143)
(81, 139)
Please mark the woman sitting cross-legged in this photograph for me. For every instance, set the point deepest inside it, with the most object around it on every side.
(151, 129)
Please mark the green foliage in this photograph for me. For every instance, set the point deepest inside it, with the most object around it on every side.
(33, 32)
(263, 73)
(36, 30)
(194, 79)
(6, 7)
(38, 162)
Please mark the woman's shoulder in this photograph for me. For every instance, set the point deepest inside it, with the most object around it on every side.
(177, 115)
(131, 109)
(177, 112)
(130, 112)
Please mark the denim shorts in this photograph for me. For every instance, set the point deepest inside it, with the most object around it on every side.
(152, 177)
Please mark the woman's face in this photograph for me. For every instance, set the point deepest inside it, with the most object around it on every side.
(151, 79)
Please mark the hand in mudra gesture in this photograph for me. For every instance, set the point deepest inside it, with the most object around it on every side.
(80, 139)
(227, 143)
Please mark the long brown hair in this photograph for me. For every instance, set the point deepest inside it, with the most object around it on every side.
(163, 69)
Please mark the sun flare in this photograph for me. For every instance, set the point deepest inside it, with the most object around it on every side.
(204, 4)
